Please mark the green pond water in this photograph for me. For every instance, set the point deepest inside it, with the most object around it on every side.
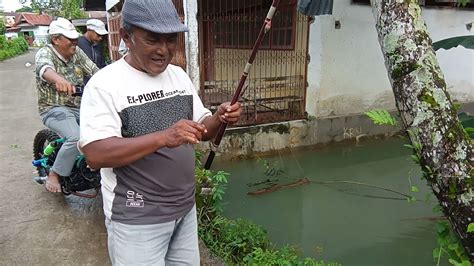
(345, 223)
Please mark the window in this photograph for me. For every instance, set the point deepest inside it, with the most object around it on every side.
(240, 28)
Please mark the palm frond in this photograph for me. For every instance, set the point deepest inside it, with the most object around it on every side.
(381, 117)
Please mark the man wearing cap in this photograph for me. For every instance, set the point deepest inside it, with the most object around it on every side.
(90, 42)
(140, 117)
(60, 70)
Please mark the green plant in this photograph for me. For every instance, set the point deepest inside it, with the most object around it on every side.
(465, 41)
(285, 256)
(470, 228)
(210, 188)
(70, 9)
(232, 240)
(2, 26)
(271, 170)
(450, 246)
(11, 48)
(381, 117)
(228, 239)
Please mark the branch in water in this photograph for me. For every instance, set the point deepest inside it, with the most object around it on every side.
(305, 180)
(278, 187)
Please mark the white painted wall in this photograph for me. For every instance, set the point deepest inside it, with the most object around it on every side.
(11, 35)
(192, 41)
(458, 63)
(40, 33)
(347, 74)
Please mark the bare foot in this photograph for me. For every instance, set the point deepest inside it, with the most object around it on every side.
(52, 183)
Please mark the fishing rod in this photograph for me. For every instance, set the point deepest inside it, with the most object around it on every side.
(267, 24)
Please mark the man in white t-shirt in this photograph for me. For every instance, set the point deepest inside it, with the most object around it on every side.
(140, 117)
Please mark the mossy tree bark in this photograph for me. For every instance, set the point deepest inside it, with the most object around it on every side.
(443, 148)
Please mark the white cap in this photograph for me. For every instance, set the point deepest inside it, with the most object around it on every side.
(64, 27)
(97, 26)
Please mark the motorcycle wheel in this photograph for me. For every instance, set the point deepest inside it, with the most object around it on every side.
(42, 139)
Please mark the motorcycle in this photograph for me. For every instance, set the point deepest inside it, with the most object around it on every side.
(46, 146)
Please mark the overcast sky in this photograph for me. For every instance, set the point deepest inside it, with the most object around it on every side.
(10, 5)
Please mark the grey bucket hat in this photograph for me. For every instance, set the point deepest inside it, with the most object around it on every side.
(157, 16)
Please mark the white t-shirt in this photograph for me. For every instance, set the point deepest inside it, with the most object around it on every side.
(121, 101)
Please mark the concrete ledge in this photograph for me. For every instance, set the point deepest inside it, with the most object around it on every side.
(267, 138)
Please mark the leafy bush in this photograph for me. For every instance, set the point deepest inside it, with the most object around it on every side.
(232, 240)
(11, 48)
(449, 245)
(2, 26)
(285, 256)
(210, 188)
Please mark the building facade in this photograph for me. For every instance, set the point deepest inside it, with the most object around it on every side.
(313, 76)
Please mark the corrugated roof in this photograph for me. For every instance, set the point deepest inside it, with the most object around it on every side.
(315, 7)
(34, 19)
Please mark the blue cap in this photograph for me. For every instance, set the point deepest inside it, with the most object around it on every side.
(157, 16)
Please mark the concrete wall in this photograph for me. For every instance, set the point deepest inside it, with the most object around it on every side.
(265, 139)
(192, 42)
(458, 63)
(11, 35)
(41, 34)
(347, 74)
(347, 77)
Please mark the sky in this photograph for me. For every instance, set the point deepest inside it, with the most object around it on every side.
(11, 5)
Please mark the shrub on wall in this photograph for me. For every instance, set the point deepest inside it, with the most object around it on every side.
(11, 48)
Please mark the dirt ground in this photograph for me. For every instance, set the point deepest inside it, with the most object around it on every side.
(37, 227)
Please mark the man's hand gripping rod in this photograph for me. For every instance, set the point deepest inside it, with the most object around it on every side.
(239, 92)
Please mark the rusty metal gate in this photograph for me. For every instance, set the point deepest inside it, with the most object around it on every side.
(276, 86)
(113, 23)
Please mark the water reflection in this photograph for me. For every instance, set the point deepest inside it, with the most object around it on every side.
(348, 223)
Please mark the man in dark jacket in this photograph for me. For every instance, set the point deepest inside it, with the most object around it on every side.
(90, 43)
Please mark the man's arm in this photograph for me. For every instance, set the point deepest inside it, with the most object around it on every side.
(225, 113)
(117, 151)
(61, 84)
(45, 70)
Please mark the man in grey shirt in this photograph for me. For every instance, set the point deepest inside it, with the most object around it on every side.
(140, 117)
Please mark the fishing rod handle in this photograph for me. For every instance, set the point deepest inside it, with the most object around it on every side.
(220, 134)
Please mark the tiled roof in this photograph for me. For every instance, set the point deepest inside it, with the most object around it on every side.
(34, 19)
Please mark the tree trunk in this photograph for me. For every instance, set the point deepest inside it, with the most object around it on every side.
(443, 148)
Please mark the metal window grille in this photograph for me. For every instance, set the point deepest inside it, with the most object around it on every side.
(276, 85)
